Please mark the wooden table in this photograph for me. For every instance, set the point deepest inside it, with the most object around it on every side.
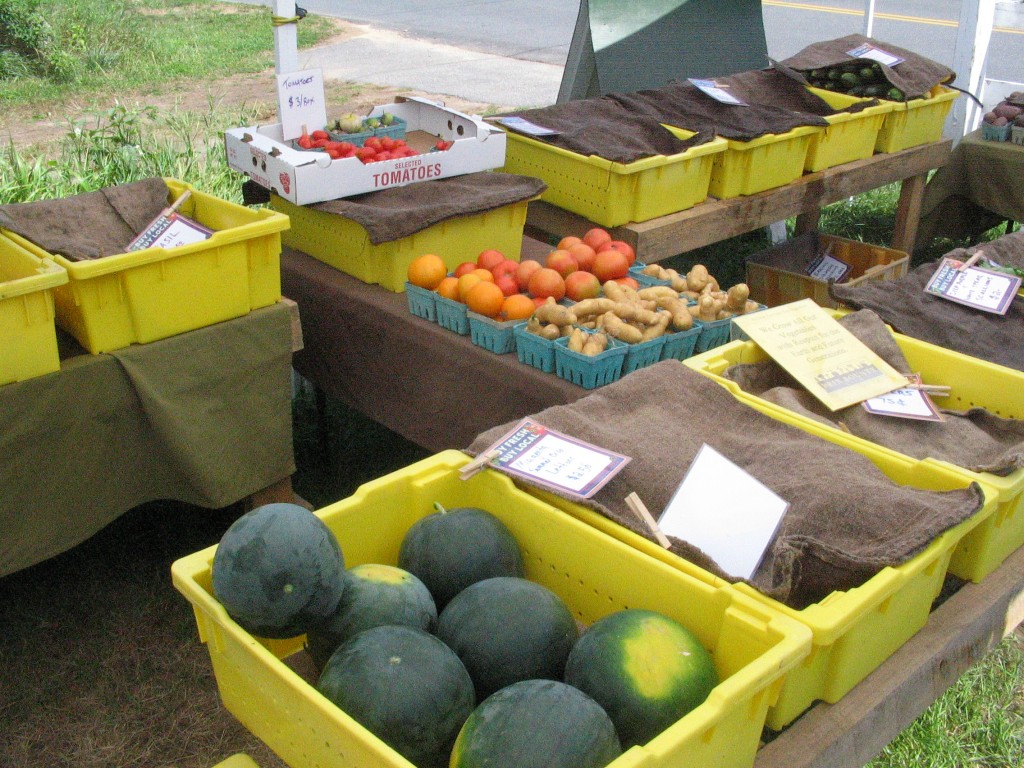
(715, 220)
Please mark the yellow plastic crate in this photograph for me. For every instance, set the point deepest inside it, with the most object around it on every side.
(239, 760)
(854, 631)
(143, 296)
(753, 647)
(776, 279)
(767, 162)
(916, 122)
(28, 335)
(612, 194)
(849, 136)
(973, 383)
(345, 244)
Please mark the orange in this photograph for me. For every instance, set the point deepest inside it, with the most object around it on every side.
(485, 298)
(465, 283)
(427, 271)
(485, 274)
(518, 306)
(449, 288)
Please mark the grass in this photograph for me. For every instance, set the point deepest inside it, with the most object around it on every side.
(99, 658)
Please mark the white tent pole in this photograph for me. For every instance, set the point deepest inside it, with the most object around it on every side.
(869, 17)
(970, 58)
(286, 38)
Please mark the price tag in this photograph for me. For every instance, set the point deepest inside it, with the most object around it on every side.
(717, 92)
(519, 125)
(868, 51)
(169, 230)
(975, 286)
(827, 267)
(909, 403)
(300, 102)
(833, 364)
(551, 459)
(735, 535)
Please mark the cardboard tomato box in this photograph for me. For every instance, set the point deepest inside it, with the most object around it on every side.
(303, 177)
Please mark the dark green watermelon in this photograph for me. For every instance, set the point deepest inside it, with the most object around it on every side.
(450, 549)
(279, 571)
(404, 686)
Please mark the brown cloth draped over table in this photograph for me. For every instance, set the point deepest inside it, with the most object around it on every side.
(203, 417)
(905, 306)
(89, 225)
(915, 75)
(392, 214)
(974, 439)
(846, 519)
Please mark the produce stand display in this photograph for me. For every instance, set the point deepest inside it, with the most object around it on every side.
(752, 647)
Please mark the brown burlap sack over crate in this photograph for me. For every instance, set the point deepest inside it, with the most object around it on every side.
(604, 128)
(974, 439)
(905, 306)
(684, 105)
(392, 214)
(846, 519)
(89, 225)
(914, 76)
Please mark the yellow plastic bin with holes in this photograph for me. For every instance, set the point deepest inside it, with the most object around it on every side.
(767, 162)
(345, 244)
(849, 136)
(28, 333)
(916, 122)
(973, 383)
(753, 647)
(141, 296)
(610, 193)
(852, 631)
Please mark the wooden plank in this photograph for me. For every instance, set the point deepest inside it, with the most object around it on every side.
(908, 213)
(715, 220)
(959, 632)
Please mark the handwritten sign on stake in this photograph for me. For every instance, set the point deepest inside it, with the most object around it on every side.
(550, 459)
(973, 286)
(300, 102)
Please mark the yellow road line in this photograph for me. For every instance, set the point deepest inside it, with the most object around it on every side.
(889, 16)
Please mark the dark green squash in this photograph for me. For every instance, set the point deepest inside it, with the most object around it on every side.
(279, 571)
(644, 668)
(403, 685)
(451, 549)
(536, 723)
(375, 595)
(506, 629)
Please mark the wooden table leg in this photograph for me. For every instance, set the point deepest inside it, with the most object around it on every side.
(807, 221)
(908, 213)
(281, 491)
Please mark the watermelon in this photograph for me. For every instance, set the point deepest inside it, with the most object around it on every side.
(450, 549)
(279, 571)
(403, 685)
(506, 629)
(375, 594)
(644, 668)
(536, 723)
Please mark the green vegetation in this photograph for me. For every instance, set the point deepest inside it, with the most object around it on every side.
(52, 49)
(95, 50)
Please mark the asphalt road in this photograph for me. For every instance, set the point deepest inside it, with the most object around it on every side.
(512, 52)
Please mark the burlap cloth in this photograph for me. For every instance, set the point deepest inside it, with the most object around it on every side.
(603, 127)
(905, 306)
(915, 76)
(686, 106)
(392, 214)
(89, 225)
(846, 519)
(974, 439)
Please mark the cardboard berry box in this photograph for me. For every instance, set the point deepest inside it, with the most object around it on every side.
(303, 177)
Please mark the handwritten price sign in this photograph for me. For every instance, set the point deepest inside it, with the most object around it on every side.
(300, 102)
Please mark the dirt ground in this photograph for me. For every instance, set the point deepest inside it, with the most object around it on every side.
(35, 125)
